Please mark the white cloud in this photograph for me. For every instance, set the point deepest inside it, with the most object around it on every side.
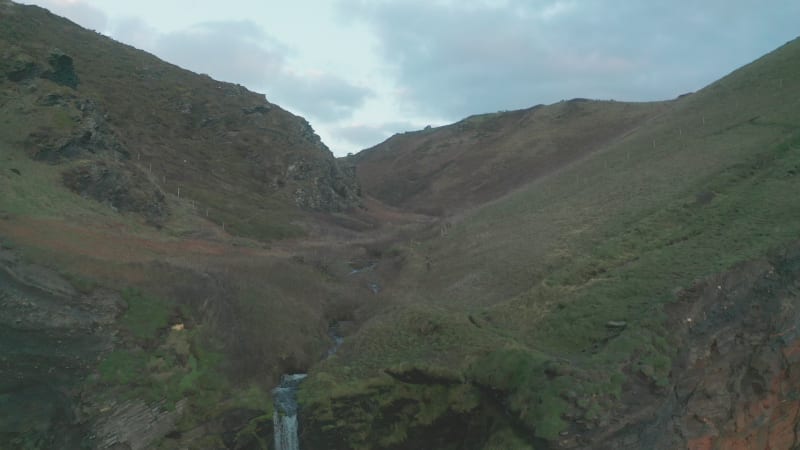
(242, 52)
(78, 11)
(358, 68)
(363, 135)
(454, 60)
(238, 52)
(556, 9)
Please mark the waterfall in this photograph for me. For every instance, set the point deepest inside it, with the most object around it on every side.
(284, 417)
(284, 399)
(286, 433)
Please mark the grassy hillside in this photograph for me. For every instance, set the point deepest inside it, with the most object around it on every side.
(463, 165)
(551, 300)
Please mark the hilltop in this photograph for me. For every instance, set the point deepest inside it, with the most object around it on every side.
(449, 169)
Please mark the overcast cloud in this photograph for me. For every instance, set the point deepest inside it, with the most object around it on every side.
(361, 70)
(242, 52)
(369, 134)
(79, 12)
(454, 60)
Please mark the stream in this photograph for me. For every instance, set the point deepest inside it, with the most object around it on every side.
(284, 398)
(284, 418)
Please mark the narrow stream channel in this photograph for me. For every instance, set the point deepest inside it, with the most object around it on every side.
(284, 398)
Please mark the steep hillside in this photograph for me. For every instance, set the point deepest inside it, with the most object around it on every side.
(148, 293)
(642, 296)
(448, 169)
(132, 129)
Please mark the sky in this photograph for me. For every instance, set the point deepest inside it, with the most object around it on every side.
(362, 70)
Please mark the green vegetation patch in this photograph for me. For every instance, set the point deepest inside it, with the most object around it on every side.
(169, 372)
(534, 385)
(250, 215)
(163, 365)
(123, 367)
(146, 315)
(381, 412)
(630, 274)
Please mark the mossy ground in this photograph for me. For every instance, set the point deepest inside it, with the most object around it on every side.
(162, 364)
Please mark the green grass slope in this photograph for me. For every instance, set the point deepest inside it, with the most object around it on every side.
(551, 299)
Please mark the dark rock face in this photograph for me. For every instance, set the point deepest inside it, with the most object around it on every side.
(327, 187)
(50, 337)
(87, 133)
(322, 184)
(122, 187)
(61, 70)
(396, 422)
(135, 425)
(258, 434)
(736, 383)
(21, 68)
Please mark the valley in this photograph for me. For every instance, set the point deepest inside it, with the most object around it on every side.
(586, 274)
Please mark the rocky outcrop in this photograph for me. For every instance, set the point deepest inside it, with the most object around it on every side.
(62, 70)
(240, 157)
(58, 68)
(399, 416)
(51, 335)
(135, 425)
(736, 383)
(122, 187)
(80, 130)
(327, 186)
(319, 181)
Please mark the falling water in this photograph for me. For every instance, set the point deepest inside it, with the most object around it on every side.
(285, 416)
(284, 398)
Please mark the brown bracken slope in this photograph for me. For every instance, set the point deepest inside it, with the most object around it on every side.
(450, 168)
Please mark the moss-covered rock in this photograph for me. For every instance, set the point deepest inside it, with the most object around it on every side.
(62, 70)
(389, 414)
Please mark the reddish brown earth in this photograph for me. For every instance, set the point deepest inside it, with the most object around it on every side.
(737, 378)
(450, 168)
